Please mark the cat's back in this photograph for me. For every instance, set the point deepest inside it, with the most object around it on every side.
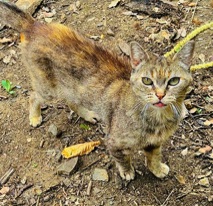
(67, 49)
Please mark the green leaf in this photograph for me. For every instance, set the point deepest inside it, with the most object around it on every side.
(6, 85)
(35, 165)
(84, 126)
(12, 92)
(199, 110)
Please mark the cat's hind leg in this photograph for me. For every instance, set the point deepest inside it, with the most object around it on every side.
(86, 114)
(153, 155)
(35, 109)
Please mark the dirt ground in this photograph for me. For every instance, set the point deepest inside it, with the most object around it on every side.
(34, 154)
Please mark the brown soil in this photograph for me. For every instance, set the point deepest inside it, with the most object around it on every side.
(31, 151)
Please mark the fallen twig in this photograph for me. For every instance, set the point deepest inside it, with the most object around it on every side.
(6, 176)
(164, 203)
(89, 187)
(193, 14)
(23, 189)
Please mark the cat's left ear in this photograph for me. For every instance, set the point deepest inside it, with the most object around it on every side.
(185, 55)
(137, 54)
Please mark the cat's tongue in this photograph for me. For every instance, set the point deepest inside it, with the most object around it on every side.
(159, 104)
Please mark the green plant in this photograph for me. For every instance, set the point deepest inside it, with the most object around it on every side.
(7, 85)
(84, 126)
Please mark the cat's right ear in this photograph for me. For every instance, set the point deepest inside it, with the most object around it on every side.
(185, 55)
(137, 54)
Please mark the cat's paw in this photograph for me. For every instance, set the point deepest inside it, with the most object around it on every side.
(91, 117)
(35, 121)
(126, 174)
(161, 172)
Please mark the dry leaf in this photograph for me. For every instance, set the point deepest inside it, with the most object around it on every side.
(114, 3)
(165, 34)
(79, 149)
(208, 122)
(181, 179)
(4, 190)
(192, 4)
(185, 151)
(193, 110)
(205, 149)
(196, 21)
(202, 57)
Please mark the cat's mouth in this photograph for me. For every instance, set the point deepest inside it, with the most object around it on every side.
(159, 104)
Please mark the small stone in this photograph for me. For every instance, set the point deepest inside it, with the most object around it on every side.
(24, 180)
(73, 198)
(204, 182)
(48, 20)
(110, 32)
(100, 175)
(28, 6)
(100, 24)
(185, 151)
(68, 166)
(54, 130)
(67, 182)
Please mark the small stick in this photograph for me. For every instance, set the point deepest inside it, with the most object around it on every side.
(193, 14)
(6, 176)
(23, 189)
(37, 202)
(89, 187)
(3, 97)
(168, 197)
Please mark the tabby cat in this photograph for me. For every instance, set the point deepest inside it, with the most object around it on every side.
(141, 100)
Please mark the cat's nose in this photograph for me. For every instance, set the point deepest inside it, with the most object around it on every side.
(160, 95)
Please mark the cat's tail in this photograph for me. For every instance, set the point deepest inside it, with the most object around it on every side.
(12, 16)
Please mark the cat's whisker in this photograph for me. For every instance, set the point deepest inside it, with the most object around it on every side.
(143, 112)
(175, 109)
(134, 109)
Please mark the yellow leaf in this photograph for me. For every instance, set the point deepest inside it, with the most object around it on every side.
(208, 122)
(181, 179)
(79, 149)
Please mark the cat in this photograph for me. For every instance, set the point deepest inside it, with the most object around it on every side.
(140, 100)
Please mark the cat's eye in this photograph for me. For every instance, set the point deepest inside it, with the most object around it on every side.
(147, 81)
(174, 81)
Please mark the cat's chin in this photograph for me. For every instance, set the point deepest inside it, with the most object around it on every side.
(159, 104)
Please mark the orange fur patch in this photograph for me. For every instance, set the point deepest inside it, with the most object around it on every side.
(22, 37)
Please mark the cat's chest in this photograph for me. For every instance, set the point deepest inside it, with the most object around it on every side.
(151, 131)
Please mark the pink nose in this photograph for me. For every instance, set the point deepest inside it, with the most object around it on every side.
(160, 95)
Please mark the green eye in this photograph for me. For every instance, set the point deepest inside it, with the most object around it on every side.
(174, 81)
(147, 81)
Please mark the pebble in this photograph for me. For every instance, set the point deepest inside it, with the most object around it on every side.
(204, 182)
(68, 166)
(54, 130)
(100, 175)
(110, 32)
(24, 180)
(48, 20)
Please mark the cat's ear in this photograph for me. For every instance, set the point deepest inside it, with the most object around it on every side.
(185, 55)
(137, 54)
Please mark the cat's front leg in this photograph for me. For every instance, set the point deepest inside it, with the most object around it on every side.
(123, 163)
(153, 155)
(35, 110)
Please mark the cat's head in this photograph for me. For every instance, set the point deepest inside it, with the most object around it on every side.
(160, 81)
